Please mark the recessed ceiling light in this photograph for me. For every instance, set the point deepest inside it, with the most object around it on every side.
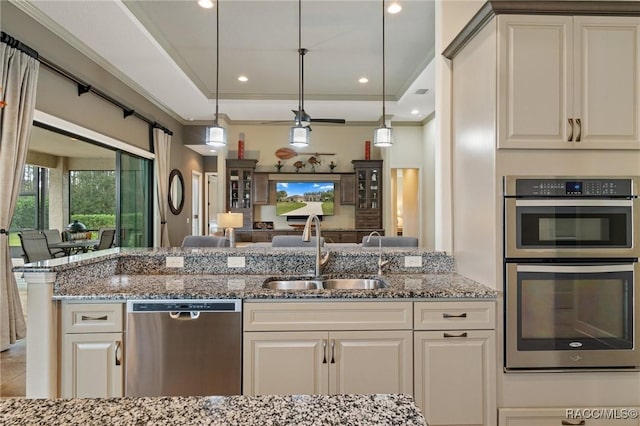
(243, 78)
(394, 7)
(212, 150)
(207, 4)
(363, 80)
(415, 112)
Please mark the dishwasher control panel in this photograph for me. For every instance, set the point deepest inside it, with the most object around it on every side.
(205, 305)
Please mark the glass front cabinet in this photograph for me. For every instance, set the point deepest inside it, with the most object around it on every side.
(240, 191)
(368, 194)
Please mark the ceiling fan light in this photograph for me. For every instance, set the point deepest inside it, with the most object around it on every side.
(299, 136)
(216, 136)
(382, 137)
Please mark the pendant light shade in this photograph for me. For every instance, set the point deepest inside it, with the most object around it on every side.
(217, 135)
(299, 135)
(382, 135)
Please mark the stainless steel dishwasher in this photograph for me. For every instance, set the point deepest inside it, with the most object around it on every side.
(183, 347)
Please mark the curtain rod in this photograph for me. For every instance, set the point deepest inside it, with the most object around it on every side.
(82, 86)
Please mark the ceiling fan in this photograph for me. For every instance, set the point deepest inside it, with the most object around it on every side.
(301, 116)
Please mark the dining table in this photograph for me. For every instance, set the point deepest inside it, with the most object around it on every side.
(74, 246)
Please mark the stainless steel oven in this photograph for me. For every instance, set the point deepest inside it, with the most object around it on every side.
(569, 217)
(570, 269)
(571, 315)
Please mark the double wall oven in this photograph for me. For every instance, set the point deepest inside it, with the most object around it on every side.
(570, 268)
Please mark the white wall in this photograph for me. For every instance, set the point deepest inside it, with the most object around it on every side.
(451, 16)
(429, 183)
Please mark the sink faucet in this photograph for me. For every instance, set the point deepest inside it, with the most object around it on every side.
(321, 260)
(380, 262)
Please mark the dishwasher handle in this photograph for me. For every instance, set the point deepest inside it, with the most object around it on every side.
(185, 315)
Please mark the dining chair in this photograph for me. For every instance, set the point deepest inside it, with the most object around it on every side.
(34, 247)
(294, 241)
(205, 241)
(53, 236)
(105, 238)
(390, 241)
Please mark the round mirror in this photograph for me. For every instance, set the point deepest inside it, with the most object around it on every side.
(176, 191)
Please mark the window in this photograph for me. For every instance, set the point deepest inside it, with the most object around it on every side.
(32, 208)
(92, 198)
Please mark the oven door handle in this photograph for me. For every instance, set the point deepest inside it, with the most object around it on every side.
(576, 203)
(575, 268)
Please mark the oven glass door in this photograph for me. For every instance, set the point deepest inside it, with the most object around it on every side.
(568, 309)
(554, 226)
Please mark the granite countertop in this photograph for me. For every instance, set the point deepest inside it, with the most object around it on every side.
(400, 286)
(379, 409)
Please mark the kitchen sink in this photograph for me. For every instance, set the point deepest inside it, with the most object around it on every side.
(353, 283)
(328, 284)
(293, 284)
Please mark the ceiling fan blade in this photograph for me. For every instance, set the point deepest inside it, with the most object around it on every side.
(329, 120)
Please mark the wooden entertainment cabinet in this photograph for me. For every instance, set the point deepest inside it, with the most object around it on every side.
(247, 188)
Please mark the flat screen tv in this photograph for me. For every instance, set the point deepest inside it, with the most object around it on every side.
(302, 198)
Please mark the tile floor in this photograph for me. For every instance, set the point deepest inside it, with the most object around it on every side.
(12, 361)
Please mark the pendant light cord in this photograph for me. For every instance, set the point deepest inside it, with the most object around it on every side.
(384, 121)
(217, 56)
(300, 63)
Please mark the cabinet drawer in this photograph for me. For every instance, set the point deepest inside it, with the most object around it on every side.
(454, 315)
(599, 416)
(91, 317)
(327, 316)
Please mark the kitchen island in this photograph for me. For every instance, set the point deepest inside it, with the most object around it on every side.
(430, 327)
(380, 409)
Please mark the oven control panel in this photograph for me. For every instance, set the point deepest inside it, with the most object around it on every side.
(553, 187)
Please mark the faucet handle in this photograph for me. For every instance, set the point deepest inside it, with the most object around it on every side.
(325, 257)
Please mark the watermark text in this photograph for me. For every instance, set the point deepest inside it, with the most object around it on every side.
(601, 413)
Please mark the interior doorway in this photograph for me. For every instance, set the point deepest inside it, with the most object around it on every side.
(211, 201)
(405, 196)
(196, 203)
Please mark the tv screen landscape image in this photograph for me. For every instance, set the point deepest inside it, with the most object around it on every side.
(304, 198)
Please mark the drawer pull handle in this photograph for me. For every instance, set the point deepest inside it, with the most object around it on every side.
(333, 352)
(448, 335)
(324, 351)
(569, 422)
(579, 135)
(570, 129)
(88, 318)
(462, 315)
(117, 353)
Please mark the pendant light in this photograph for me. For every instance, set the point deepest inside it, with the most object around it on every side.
(216, 134)
(299, 134)
(382, 135)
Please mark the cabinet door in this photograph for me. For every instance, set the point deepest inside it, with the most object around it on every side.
(285, 363)
(260, 188)
(368, 362)
(91, 365)
(606, 82)
(348, 189)
(454, 375)
(534, 84)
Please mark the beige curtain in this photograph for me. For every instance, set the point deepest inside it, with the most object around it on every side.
(162, 149)
(18, 90)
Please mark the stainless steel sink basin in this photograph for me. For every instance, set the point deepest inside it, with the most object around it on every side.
(293, 284)
(353, 284)
(328, 284)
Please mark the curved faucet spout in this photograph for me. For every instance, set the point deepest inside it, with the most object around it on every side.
(380, 262)
(321, 260)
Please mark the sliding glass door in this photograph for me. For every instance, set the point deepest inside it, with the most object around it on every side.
(135, 219)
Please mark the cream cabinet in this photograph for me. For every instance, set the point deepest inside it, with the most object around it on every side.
(568, 82)
(327, 347)
(587, 416)
(454, 362)
(92, 352)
